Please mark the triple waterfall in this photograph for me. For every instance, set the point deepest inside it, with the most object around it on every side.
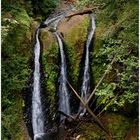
(38, 120)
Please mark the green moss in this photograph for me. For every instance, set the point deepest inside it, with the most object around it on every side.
(75, 40)
(23, 18)
(48, 40)
(16, 52)
(50, 63)
(117, 125)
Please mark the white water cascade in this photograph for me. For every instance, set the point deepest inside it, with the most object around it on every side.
(85, 89)
(37, 114)
(64, 105)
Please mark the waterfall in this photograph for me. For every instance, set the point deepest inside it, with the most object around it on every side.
(85, 89)
(63, 91)
(38, 120)
(55, 20)
(37, 114)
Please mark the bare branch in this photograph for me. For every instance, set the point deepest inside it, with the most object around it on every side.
(88, 109)
(86, 11)
(102, 78)
(68, 116)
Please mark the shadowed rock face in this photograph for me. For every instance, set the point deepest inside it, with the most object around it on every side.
(66, 25)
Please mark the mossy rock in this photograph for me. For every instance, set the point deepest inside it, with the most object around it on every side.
(47, 39)
(119, 126)
(74, 31)
(50, 64)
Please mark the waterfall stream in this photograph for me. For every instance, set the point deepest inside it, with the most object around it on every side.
(38, 120)
(63, 91)
(37, 114)
(85, 89)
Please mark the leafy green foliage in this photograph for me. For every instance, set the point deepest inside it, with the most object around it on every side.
(15, 70)
(44, 7)
(16, 51)
(120, 38)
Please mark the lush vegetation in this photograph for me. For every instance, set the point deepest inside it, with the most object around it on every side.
(116, 35)
(118, 125)
(18, 27)
(16, 47)
(34, 8)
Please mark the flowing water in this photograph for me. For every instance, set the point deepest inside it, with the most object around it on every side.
(53, 21)
(85, 89)
(37, 114)
(38, 120)
(64, 105)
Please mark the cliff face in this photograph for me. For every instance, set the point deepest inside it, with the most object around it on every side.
(116, 34)
(74, 46)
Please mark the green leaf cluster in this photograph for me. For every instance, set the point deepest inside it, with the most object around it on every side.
(117, 35)
(16, 50)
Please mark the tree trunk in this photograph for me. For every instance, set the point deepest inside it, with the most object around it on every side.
(86, 11)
